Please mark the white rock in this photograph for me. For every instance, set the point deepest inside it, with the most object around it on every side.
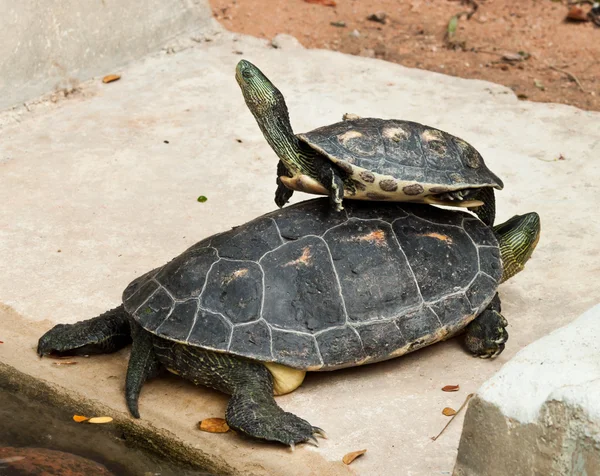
(540, 414)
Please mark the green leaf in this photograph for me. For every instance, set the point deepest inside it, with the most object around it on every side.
(202, 199)
(452, 26)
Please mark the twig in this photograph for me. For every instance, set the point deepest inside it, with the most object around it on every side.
(453, 417)
(570, 75)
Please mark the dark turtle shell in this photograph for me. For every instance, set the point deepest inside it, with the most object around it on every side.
(315, 289)
(370, 149)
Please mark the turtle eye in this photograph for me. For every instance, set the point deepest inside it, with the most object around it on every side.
(247, 74)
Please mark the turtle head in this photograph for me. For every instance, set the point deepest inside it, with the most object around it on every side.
(262, 98)
(518, 238)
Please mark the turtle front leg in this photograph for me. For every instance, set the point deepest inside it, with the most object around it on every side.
(486, 336)
(104, 334)
(330, 177)
(487, 211)
(282, 194)
(252, 410)
(143, 364)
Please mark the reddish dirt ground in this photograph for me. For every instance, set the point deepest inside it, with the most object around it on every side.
(560, 60)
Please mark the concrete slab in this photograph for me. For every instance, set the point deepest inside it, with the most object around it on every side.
(540, 414)
(92, 196)
(54, 45)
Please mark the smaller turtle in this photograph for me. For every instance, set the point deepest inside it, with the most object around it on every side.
(369, 158)
(251, 310)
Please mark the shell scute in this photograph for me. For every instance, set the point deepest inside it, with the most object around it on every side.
(375, 277)
(340, 346)
(301, 289)
(442, 257)
(252, 339)
(210, 331)
(234, 289)
(295, 348)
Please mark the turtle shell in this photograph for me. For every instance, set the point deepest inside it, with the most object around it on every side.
(400, 160)
(315, 289)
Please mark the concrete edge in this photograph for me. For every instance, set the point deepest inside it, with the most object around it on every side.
(142, 436)
(496, 445)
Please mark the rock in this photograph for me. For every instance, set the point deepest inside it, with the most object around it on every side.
(38, 461)
(283, 41)
(540, 414)
(379, 17)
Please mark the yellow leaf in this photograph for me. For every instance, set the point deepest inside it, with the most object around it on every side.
(100, 419)
(347, 459)
(66, 362)
(451, 388)
(80, 418)
(449, 411)
(214, 425)
(110, 78)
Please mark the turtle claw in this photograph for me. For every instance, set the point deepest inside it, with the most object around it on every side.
(320, 432)
(313, 440)
(292, 446)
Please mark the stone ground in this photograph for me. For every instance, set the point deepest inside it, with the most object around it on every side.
(101, 186)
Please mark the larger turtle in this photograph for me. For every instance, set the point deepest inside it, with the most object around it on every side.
(368, 158)
(304, 288)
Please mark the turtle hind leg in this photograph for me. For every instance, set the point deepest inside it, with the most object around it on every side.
(104, 334)
(486, 336)
(282, 194)
(143, 364)
(252, 410)
(487, 211)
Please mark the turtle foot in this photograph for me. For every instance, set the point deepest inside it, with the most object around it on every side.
(271, 423)
(100, 335)
(486, 336)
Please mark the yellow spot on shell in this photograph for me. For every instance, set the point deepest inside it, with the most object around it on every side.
(377, 236)
(439, 236)
(304, 259)
(431, 134)
(346, 136)
(239, 273)
(395, 133)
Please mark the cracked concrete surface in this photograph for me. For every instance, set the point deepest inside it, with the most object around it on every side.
(93, 196)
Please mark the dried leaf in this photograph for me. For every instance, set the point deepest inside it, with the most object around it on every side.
(451, 388)
(1, 342)
(577, 14)
(67, 362)
(347, 459)
(110, 78)
(214, 425)
(449, 411)
(325, 3)
(100, 419)
(80, 418)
